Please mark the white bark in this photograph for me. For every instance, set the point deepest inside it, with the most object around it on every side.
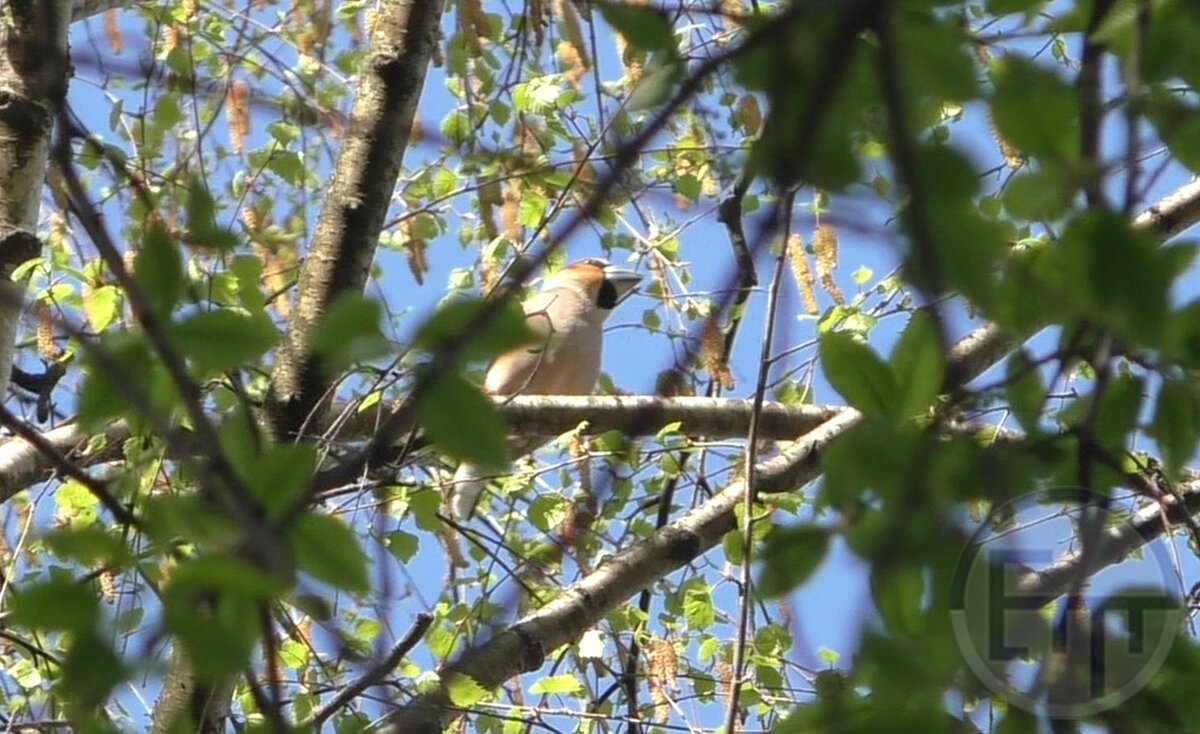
(33, 64)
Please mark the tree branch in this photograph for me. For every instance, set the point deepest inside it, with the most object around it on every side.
(522, 646)
(364, 179)
(84, 9)
(33, 74)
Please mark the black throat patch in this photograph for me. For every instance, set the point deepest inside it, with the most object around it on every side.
(607, 298)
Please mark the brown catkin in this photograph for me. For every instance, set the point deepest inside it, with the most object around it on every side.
(803, 273)
(725, 680)
(252, 217)
(579, 153)
(574, 66)
(108, 586)
(631, 60)
(825, 245)
(662, 671)
(712, 351)
(47, 348)
(750, 114)
(490, 276)
(1013, 158)
(733, 13)
(173, 35)
(237, 113)
(473, 25)
(573, 32)
(303, 633)
(535, 14)
(509, 211)
(112, 30)
(416, 250)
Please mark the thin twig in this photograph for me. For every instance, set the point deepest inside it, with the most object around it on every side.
(420, 624)
(242, 502)
(751, 495)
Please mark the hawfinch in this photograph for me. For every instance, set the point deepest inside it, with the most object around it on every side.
(567, 316)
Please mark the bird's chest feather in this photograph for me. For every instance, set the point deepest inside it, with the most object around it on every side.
(565, 359)
(570, 358)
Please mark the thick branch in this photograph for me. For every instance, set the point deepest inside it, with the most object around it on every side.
(33, 66)
(84, 9)
(522, 647)
(1115, 544)
(339, 257)
(22, 465)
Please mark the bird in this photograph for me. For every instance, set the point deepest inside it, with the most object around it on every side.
(567, 319)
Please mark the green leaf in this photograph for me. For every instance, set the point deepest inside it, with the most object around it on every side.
(247, 269)
(107, 389)
(698, 607)
(1179, 125)
(566, 683)
(918, 362)
(859, 375)
(166, 112)
(158, 268)
(463, 690)
(1044, 194)
(507, 330)
(58, 604)
(1004, 7)
(218, 631)
(1025, 390)
(546, 512)
(90, 671)
(532, 208)
(280, 476)
(283, 132)
(348, 333)
(201, 210)
(89, 546)
(660, 77)
(223, 339)
(461, 421)
(1176, 424)
(102, 306)
(288, 165)
(1114, 275)
(791, 555)
(643, 26)
(899, 594)
(293, 654)
(1035, 109)
(328, 549)
(227, 575)
(402, 545)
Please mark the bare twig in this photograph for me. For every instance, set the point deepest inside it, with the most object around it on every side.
(376, 673)
(745, 601)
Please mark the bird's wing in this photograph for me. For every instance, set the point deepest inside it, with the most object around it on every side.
(514, 372)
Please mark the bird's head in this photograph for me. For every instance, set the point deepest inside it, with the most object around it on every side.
(603, 284)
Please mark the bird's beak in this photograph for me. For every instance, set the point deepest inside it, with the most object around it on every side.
(623, 280)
